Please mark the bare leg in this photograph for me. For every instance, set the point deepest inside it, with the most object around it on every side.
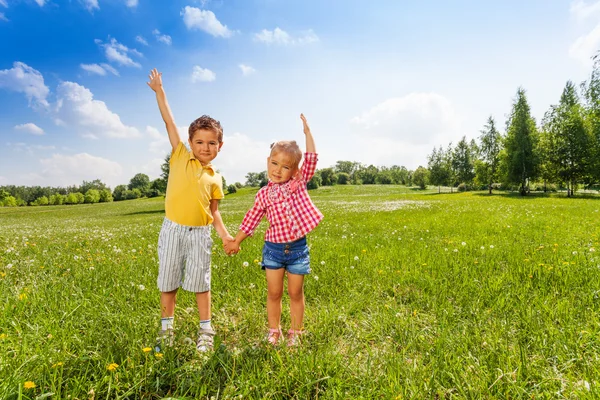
(167, 303)
(296, 292)
(274, 293)
(203, 302)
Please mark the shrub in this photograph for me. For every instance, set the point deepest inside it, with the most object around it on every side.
(231, 189)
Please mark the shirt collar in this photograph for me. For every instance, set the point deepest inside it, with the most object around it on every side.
(208, 167)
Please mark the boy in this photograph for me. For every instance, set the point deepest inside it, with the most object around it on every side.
(191, 205)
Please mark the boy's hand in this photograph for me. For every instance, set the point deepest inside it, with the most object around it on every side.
(155, 80)
(230, 246)
(305, 124)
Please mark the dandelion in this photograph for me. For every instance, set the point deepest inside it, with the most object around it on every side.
(75, 258)
(592, 249)
(23, 296)
(482, 247)
(9, 266)
(146, 349)
(251, 286)
(112, 366)
(141, 287)
(3, 336)
(316, 278)
(92, 268)
(58, 364)
(464, 243)
(245, 264)
(574, 253)
(256, 261)
(158, 355)
(455, 250)
(364, 251)
(322, 262)
(352, 267)
(491, 246)
(29, 385)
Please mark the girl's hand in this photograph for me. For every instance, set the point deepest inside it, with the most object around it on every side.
(155, 80)
(305, 125)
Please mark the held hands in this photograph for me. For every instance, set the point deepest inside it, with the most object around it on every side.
(230, 246)
(155, 80)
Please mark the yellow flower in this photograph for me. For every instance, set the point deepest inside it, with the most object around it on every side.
(112, 367)
(29, 385)
(364, 251)
(146, 349)
(58, 364)
(158, 355)
(23, 296)
(3, 336)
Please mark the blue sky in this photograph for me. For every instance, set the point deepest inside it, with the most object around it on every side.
(380, 82)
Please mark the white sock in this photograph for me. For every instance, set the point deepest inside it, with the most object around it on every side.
(166, 323)
(205, 325)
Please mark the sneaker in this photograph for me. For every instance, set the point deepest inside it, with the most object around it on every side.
(274, 335)
(205, 340)
(293, 337)
(166, 338)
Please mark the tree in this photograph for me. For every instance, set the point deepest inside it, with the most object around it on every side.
(95, 184)
(439, 173)
(521, 144)
(105, 196)
(462, 162)
(328, 177)
(255, 179)
(140, 182)
(118, 192)
(491, 144)
(343, 178)
(420, 177)
(566, 140)
(591, 91)
(92, 196)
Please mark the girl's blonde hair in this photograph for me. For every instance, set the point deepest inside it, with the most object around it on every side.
(290, 147)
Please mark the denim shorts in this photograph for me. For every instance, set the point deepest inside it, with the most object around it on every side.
(293, 256)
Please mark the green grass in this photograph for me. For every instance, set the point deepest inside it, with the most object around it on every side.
(412, 295)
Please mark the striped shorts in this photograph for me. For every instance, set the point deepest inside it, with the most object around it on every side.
(184, 254)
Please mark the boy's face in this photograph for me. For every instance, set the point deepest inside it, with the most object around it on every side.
(205, 145)
(280, 167)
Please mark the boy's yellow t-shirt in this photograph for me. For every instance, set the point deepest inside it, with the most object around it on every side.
(190, 188)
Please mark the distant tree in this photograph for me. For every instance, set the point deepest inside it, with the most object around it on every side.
(591, 92)
(254, 179)
(56, 199)
(8, 201)
(566, 140)
(420, 177)
(118, 192)
(384, 176)
(491, 144)
(343, 178)
(328, 177)
(105, 196)
(231, 189)
(462, 162)
(95, 184)
(521, 144)
(314, 182)
(140, 182)
(92, 196)
(367, 175)
(40, 201)
(439, 172)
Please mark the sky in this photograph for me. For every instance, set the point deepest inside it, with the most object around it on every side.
(380, 82)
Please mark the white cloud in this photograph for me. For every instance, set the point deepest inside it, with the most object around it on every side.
(151, 168)
(204, 20)
(246, 69)
(30, 128)
(281, 37)
(585, 47)
(40, 2)
(200, 74)
(3, 3)
(22, 78)
(3, 17)
(582, 10)
(241, 147)
(66, 170)
(166, 39)
(413, 120)
(131, 3)
(160, 141)
(76, 107)
(140, 39)
(99, 69)
(90, 5)
(90, 136)
(118, 53)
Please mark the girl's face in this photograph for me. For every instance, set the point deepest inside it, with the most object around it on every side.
(280, 167)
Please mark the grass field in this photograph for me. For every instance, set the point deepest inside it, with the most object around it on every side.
(412, 295)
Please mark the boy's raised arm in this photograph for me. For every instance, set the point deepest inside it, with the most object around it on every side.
(310, 142)
(165, 111)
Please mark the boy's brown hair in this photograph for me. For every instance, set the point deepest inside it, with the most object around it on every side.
(206, 123)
